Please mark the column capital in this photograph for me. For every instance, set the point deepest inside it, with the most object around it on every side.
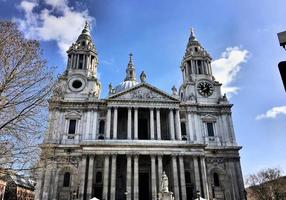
(174, 154)
(134, 153)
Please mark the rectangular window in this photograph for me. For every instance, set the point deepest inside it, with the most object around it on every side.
(210, 129)
(72, 126)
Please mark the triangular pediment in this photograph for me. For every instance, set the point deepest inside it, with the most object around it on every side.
(73, 115)
(208, 118)
(143, 92)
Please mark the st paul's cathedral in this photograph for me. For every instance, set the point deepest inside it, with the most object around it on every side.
(118, 147)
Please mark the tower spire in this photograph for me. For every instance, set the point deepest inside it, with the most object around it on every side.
(86, 28)
(130, 71)
(193, 36)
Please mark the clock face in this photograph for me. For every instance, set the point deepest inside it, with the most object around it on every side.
(205, 89)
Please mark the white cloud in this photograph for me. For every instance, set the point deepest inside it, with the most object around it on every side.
(53, 20)
(226, 68)
(272, 113)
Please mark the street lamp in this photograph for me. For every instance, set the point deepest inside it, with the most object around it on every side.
(282, 64)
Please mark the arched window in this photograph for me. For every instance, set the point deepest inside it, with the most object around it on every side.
(67, 177)
(216, 179)
(101, 126)
(183, 129)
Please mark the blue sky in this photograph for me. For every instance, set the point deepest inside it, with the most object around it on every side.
(240, 36)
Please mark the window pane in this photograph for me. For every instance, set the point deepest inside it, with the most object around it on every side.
(210, 129)
(72, 126)
(216, 180)
(183, 129)
(67, 179)
(101, 126)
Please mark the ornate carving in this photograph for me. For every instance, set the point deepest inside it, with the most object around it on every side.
(215, 161)
(58, 93)
(145, 94)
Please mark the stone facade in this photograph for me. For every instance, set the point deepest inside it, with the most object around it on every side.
(117, 148)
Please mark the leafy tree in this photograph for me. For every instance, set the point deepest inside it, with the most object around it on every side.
(25, 84)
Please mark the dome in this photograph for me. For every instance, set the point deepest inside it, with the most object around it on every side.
(125, 85)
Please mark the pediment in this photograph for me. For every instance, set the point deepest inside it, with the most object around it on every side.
(73, 115)
(143, 92)
(208, 118)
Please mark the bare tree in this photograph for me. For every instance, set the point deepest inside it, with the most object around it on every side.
(267, 184)
(25, 84)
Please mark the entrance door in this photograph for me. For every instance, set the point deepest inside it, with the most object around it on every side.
(144, 186)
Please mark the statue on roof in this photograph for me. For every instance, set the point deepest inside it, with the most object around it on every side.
(143, 77)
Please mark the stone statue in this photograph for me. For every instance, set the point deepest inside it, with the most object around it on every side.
(164, 183)
(199, 196)
(174, 90)
(110, 88)
(143, 77)
(164, 193)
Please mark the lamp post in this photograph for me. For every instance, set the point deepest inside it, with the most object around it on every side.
(282, 64)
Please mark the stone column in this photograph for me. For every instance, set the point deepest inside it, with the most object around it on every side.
(56, 185)
(94, 131)
(108, 123)
(171, 124)
(136, 177)
(135, 123)
(178, 125)
(158, 124)
(87, 61)
(129, 124)
(113, 177)
(182, 178)
(152, 134)
(73, 61)
(128, 177)
(190, 127)
(153, 177)
(115, 114)
(90, 177)
(47, 182)
(197, 174)
(175, 177)
(204, 178)
(105, 177)
(40, 181)
(83, 62)
(82, 177)
(160, 170)
(77, 60)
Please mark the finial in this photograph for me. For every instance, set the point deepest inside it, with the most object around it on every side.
(130, 57)
(192, 32)
(86, 28)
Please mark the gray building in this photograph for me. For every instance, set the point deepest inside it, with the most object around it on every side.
(117, 148)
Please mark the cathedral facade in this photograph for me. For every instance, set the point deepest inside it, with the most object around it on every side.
(117, 148)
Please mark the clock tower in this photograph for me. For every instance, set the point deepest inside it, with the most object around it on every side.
(199, 84)
(79, 81)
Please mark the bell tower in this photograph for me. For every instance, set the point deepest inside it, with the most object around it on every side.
(199, 85)
(80, 78)
(196, 61)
